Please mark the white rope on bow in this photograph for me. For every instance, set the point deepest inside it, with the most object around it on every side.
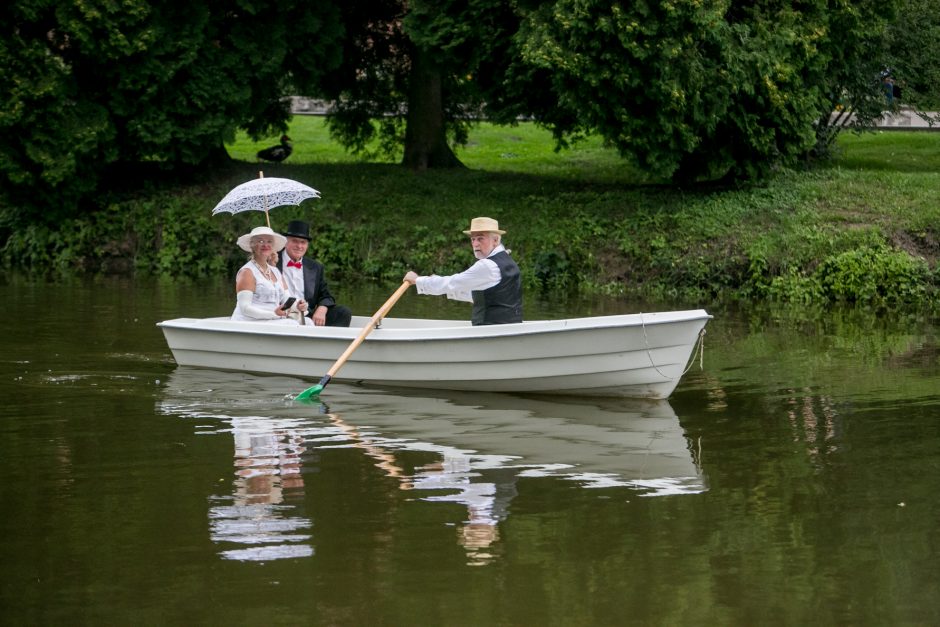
(700, 348)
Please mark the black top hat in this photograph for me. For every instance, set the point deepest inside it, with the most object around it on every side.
(298, 228)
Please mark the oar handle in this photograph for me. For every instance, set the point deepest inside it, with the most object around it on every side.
(367, 329)
(315, 390)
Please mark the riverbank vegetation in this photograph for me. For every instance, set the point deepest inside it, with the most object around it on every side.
(865, 229)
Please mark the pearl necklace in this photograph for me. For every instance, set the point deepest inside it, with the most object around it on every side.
(265, 272)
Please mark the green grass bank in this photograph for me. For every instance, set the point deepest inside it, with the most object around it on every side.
(864, 229)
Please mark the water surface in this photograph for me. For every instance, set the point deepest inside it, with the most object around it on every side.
(792, 480)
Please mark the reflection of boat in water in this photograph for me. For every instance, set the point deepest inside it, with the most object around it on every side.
(482, 444)
(632, 442)
(598, 442)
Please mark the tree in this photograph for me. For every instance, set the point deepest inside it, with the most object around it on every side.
(89, 84)
(689, 90)
(913, 43)
(850, 77)
(408, 76)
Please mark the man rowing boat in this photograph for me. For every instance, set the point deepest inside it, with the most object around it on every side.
(492, 284)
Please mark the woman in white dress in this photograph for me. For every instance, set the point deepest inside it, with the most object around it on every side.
(260, 290)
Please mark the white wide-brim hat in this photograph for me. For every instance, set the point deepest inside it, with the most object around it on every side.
(484, 225)
(244, 242)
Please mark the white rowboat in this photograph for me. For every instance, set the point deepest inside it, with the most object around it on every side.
(639, 355)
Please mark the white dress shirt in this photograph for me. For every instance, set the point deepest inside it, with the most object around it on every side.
(482, 275)
(293, 276)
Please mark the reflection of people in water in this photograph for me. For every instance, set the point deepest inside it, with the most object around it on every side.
(458, 473)
(483, 488)
(267, 471)
(268, 464)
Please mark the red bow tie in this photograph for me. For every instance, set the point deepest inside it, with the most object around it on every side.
(294, 264)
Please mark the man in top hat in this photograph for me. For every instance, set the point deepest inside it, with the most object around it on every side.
(492, 284)
(306, 279)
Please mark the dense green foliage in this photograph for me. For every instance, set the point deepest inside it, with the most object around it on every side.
(913, 49)
(92, 84)
(863, 231)
(703, 90)
(688, 90)
(850, 81)
(900, 47)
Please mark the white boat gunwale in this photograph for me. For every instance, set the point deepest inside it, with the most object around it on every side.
(393, 333)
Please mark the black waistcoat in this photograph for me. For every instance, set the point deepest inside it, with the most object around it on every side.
(502, 303)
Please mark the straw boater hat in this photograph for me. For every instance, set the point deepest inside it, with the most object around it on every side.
(244, 242)
(484, 225)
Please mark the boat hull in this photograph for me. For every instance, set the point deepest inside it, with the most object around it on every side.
(634, 355)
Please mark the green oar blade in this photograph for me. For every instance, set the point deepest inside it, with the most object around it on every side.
(309, 393)
(313, 391)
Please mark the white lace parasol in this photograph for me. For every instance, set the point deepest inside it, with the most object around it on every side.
(262, 194)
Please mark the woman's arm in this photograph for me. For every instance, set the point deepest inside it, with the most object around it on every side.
(253, 311)
(244, 290)
(244, 280)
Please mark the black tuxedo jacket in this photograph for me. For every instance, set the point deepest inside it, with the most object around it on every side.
(316, 292)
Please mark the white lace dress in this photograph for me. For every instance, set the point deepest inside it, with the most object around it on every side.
(268, 295)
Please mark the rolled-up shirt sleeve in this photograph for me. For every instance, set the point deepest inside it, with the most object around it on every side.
(482, 275)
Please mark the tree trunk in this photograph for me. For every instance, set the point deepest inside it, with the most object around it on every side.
(217, 157)
(425, 132)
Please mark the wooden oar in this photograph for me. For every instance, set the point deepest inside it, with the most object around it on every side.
(366, 330)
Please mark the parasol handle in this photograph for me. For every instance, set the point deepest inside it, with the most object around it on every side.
(266, 215)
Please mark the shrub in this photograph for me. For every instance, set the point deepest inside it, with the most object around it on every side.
(875, 275)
